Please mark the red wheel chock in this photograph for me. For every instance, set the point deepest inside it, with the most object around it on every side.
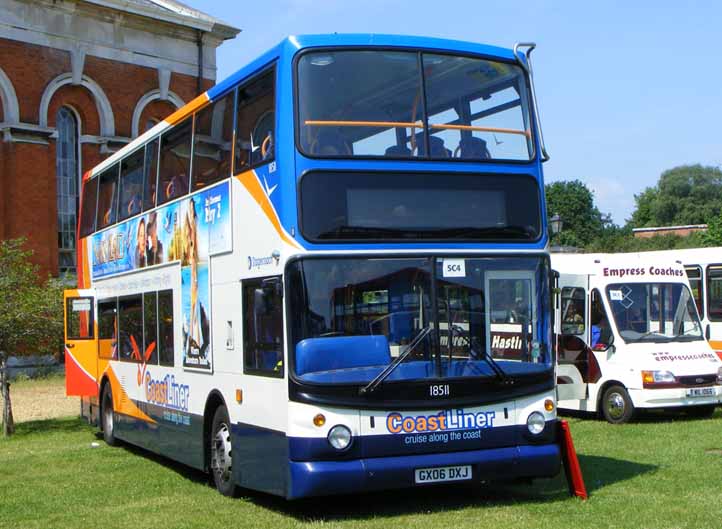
(571, 464)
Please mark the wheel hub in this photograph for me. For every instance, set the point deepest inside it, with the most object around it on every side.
(615, 405)
(221, 453)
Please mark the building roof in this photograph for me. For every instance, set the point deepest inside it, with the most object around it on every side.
(173, 12)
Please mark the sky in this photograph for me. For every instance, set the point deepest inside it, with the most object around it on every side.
(626, 90)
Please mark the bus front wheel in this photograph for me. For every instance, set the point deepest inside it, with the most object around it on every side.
(107, 416)
(617, 406)
(221, 462)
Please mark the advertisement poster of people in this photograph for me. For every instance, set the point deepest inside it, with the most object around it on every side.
(187, 231)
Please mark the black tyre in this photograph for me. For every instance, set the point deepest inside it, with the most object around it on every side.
(617, 406)
(700, 412)
(107, 416)
(221, 462)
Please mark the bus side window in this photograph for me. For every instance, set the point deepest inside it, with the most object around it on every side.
(130, 328)
(108, 328)
(175, 161)
(165, 328)
(255, 123)
(263, 327)
(150, 328)
(107, 198)
(573, 320)
(150, 175)
(131, 185)
(79, 318)
(87, 213)
(694, 274)
(212, 141)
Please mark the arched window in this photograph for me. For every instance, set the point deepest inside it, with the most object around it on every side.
(67, 169)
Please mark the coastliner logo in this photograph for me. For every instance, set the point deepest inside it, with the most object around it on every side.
(258, 262)
(442, 421)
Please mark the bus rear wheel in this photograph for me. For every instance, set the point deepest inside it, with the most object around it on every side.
(107, 416)
(221, 457)
(617, 406)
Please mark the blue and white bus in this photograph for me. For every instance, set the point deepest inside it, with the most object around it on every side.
(327, 274)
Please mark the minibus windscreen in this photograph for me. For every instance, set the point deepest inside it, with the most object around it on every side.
(654, 312)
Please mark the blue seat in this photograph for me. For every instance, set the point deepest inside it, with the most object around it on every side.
(341, 352)
(436, 147)
(473, 149)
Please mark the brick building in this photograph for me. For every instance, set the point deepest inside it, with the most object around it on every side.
(78, 80)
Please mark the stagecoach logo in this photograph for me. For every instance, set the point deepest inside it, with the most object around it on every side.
(258, 262)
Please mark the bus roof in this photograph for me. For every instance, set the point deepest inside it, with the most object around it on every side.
(287, 48)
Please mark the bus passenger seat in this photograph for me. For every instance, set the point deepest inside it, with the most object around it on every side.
(341, 352)
(331, 143)
(436, 146)
(474, 149)
(398, 151)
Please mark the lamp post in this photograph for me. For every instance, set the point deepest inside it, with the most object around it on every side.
(556, 223)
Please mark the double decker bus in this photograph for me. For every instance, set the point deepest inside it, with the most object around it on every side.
(327, 274)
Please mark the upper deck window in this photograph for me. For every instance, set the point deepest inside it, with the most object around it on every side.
(378, 103)
(212, 140)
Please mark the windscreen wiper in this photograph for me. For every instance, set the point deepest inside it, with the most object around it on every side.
(371, 386)
(493, 364)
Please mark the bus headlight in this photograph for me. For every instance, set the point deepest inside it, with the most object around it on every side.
(339, 437)
(535, 423)
(657, 377)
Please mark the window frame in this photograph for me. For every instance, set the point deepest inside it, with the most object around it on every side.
(120, 217)
(251, 283)
(425, 118)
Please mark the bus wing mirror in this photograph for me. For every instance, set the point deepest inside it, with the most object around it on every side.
(707, 332)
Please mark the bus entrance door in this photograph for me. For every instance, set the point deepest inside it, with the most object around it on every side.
(81, 347)
(572, 351)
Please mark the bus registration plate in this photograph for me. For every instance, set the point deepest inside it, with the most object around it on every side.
(437, 474)
(700, 392)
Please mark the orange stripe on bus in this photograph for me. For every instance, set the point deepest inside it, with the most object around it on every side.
(480, 129)
(253, 186)
(122, 402)
(188, 109)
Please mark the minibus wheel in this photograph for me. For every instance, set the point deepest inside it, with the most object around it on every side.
(617, 407)
(221, 463)
(107, 417)
(700, 412)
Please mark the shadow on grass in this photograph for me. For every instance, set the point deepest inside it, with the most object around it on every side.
(643, 416)
(598, 472)
(47, 426)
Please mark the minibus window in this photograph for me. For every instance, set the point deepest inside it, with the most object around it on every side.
(694, 274)
(601, 331)
(714, 292)
(573, 320)
(79, 318)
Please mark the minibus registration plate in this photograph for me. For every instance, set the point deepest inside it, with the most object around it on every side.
(434, 475)
(700, 392)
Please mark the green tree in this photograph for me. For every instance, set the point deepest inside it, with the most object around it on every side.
(689, 194)
(574, 203)
(31, 314)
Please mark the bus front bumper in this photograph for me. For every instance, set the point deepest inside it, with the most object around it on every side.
(673, 397)
(321, 478)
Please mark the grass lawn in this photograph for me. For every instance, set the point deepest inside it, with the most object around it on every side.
(660, 472)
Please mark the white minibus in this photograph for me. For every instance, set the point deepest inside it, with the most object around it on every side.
(629, 337)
